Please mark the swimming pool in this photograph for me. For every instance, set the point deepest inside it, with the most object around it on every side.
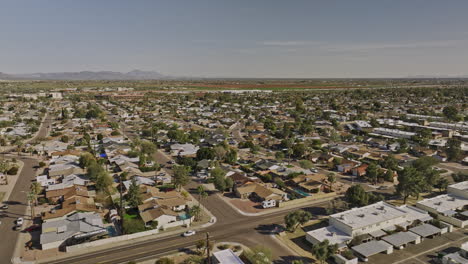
(184, 216)
(111, 231)
(301, 192)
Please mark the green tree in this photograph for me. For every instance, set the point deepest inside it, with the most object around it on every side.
(372, 172)
(294, 219)
(299, 150)
(453, 149)
(205, 153)
(279, 155)
(134, 194)
(390, 162)
(410, 183)
(442, 184)
(218, 176)
(451, 113)
(356, 196)
(86, 159)
(229, 183)
(331, 178)
(323, 250)
(389, 175)
(306, 164)
(148, 147)
(231, 157)
(181, 175)
(195, 211)
(460, 176)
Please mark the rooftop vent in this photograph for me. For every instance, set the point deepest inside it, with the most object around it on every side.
(380, 207)
(361, 215)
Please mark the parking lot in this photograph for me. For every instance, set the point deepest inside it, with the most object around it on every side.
(426, 251)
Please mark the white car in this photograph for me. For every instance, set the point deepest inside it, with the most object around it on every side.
(188, 233)
(19, 221)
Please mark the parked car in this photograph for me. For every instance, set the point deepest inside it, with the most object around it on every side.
(32, 228)
(4, 207)
(19, 221)
(189, 233)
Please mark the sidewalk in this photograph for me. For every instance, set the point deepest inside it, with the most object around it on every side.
(8, 188)
(56, 255)
(276, 210)
(9, 148)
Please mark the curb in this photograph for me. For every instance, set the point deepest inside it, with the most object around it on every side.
(279, 209)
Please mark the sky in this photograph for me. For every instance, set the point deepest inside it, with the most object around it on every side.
(237, 38)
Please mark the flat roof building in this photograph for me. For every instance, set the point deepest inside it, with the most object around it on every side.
(371, 219)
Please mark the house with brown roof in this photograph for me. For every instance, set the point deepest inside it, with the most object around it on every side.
(256, 190)
(346, 166)
(360, 170)
(74, 199)
(160, 211)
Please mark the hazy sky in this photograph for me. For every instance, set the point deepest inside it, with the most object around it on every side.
(237, 38)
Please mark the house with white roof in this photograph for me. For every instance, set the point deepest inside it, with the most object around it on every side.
(226, 257)
(451, 207)
(371, 219)
(60, 232)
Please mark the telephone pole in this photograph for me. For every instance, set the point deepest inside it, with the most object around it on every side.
(121, 206)
(208, 247)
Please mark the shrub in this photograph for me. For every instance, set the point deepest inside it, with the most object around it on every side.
(42, 200)
(223, 246)
(348, 254)
(41, 164)
(133, 226)
(164, 261)
(12, 171)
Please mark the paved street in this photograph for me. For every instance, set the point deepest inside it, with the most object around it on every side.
(17, 201)
(231, 226)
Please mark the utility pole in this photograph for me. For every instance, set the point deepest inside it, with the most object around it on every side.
(208, 248)
(121, 206)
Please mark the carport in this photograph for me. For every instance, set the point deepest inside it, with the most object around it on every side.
(400, 240)
(371, 248)
(378, 233)
(426, 230)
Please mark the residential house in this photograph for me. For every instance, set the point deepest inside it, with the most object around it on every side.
(61, 232)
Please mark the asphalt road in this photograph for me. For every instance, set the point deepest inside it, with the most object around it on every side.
(17, 201)
(231, 226)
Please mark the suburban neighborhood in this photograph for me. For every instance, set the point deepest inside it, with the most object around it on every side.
(337, 175)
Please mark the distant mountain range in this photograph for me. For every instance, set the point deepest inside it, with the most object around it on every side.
(87, 75)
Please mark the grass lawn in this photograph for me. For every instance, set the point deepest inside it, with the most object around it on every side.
(131, 214)
(410, 201)
(2, 194)
(297, 241)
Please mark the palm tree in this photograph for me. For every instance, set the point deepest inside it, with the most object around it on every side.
(19, 144)
(31, 198)
(195, 211)
(35, 189)
(201, 191)
(331, 178)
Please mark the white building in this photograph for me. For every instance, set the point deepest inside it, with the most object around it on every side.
(450, 207)
(226, 257)
(371, 219)
(393, 132)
